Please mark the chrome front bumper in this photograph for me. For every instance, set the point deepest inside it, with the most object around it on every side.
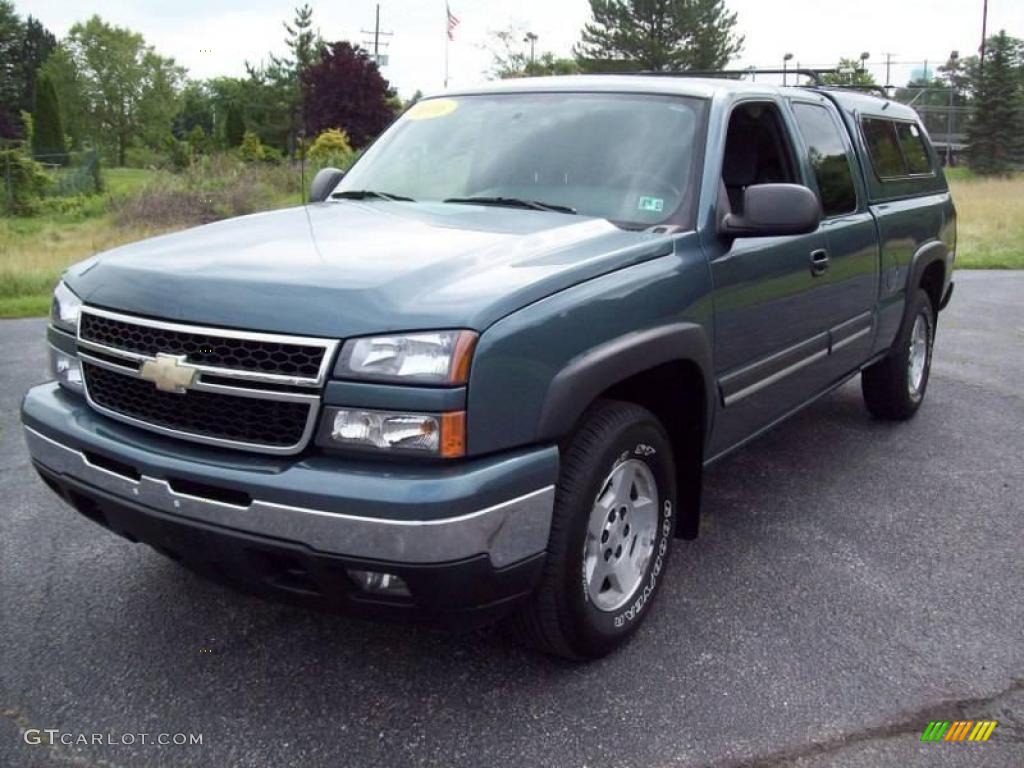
(507, 532)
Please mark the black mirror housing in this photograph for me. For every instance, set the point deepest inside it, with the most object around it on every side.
(771, 210)
(324, 182)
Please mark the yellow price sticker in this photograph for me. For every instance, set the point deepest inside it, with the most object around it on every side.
(431, 109)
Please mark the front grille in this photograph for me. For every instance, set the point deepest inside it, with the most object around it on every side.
(204, 414)
(207, 348)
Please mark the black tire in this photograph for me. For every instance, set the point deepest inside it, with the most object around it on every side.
(886, 385)
(560, 618)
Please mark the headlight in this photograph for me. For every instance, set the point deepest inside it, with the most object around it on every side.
(436, 357)
(439, 434)
(65, 308)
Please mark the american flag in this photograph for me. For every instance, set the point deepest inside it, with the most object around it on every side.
(453, 22)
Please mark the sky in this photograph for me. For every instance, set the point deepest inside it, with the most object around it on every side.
(216, 37)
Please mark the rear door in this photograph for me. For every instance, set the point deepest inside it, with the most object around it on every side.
(848, 287)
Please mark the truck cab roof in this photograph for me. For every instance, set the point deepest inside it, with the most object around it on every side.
(847, 99)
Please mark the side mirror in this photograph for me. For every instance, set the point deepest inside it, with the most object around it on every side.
(324, 182)
(770, 210)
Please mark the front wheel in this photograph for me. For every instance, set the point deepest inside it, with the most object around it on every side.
(610, 535)
(894, 387)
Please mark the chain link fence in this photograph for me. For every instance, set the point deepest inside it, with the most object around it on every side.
(64, 174)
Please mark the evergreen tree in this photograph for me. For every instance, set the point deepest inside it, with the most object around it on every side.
(36, 46)
(658, 35)
(234, 126)
(48, 130)
(278, 83)
(995, 135)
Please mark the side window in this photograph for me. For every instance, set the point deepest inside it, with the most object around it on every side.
(828, 157)
(757, 151)
(883, 147)
(912, 143)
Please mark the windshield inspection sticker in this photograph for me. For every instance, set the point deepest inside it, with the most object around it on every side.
(431, 108)
(652, 204)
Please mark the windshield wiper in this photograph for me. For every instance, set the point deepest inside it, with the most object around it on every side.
(513, 202)
(370, 194)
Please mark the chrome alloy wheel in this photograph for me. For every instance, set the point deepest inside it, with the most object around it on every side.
(620, 535)
(918, 358)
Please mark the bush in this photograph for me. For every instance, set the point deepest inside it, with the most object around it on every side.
(213, 187)
(251, 150)
(331, 149)
(146, 157)
(23, 182)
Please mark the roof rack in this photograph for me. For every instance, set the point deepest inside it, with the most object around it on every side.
(813, 74)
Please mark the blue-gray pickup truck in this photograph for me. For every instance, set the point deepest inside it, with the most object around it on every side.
(478, 376)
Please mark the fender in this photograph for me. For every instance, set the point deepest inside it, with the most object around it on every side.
(929, 253)
(591, 373)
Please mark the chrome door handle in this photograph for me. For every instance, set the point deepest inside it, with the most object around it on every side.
(819, 262)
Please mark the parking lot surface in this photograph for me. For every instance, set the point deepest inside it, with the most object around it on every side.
(854, 580)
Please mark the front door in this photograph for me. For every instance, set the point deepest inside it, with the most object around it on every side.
(769, 295)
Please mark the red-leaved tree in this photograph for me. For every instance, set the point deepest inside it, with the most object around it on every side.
(344, 89)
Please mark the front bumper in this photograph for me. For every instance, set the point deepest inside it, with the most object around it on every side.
(468, 536)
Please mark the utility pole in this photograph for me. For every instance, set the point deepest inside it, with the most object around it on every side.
(785, 65)
(531, 38)
(984, 34)
(953, 56)
(888, 70)
(379, 59)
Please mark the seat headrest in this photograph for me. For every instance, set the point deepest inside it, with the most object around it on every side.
(740, 167)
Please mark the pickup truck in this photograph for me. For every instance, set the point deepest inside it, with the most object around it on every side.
(478, 376)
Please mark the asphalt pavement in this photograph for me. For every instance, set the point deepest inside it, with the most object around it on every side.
(854, 580)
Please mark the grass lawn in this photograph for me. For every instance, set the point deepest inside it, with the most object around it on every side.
(990, 231)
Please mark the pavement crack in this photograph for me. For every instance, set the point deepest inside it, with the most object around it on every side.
(912, 723)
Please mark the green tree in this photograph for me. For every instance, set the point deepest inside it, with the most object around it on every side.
(48, 131)
(513, 56)
(658, 35)
(23, 47)
(251, 150)
(197, 108)
(234, 126)
(130, 91)
(849, 72)
(37, 44)
(11, 32)
(276, 87)
(995, 134)
(61, 71)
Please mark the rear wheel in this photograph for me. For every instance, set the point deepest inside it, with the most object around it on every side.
(894, 387)
(610, 535)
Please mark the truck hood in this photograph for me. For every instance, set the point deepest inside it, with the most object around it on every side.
(345, 268)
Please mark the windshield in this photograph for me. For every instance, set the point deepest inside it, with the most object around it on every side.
(626, 158)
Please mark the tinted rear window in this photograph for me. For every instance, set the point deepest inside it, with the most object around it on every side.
(827, 154)
(912, 143)
(883, 147)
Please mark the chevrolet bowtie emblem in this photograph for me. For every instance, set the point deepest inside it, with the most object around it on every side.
(170, 373)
